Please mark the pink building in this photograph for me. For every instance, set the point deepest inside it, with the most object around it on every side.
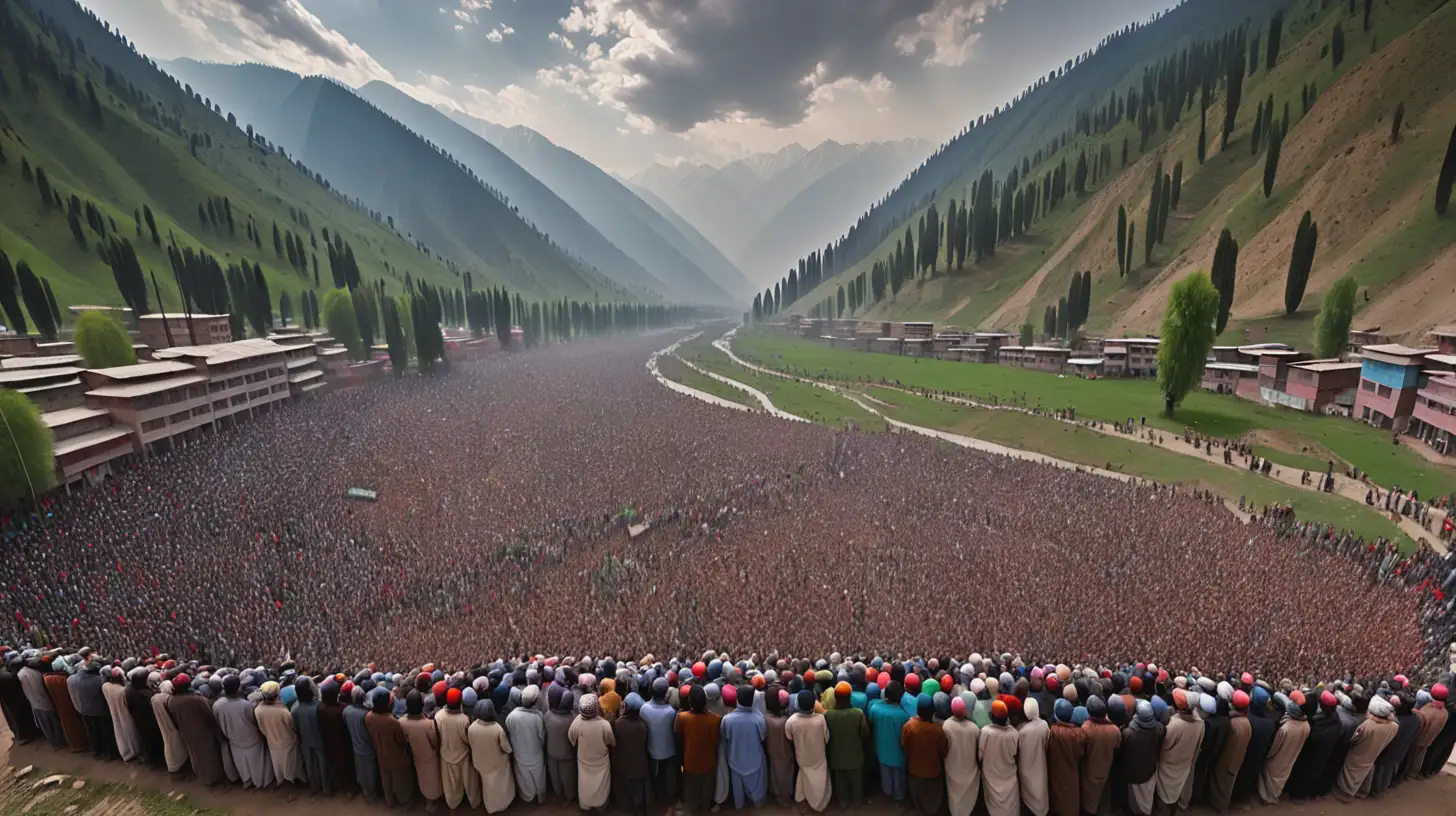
(1037, 358)
(1390, 375)
(1316, 385)
(1433, 420)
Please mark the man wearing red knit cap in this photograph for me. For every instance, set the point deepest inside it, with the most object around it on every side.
(1433, 717)
(1226, 767)
(457, 773)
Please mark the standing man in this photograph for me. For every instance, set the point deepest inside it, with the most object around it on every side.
(848, 730)
(1183, 735)
(698, 734)
(1103, 740)
(779, 750)
(1066, 745)
(807, 731)
(336, 736)
(1032, 751)
(1433, 718)
(999, 744)
(662, 758)
(311, 738)
(1142, 743)
(457, 775)
(361, 745)
(593, 738)
(1230, 760)
(278, 729)
(1288, 741)
(744, 731)
(391, 750)
(235, 719)
(527, 730)
(887, 720)
(199, 730)
(490, 752)
(925, 748)
(630, 770)
(962, 766)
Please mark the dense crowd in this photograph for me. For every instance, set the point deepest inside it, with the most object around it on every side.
(941, 734)
(562, 501)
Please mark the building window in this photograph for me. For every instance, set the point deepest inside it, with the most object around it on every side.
(1367, 385)
(1382, 391)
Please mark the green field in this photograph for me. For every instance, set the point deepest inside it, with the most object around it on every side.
(674, 369)
(1112, 400)
(806, 401)
(1074, 444)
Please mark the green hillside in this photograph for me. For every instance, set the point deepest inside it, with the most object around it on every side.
(146, 143)
(1143, 91)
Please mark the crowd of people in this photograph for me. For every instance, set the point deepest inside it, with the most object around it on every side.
(562, 501)
(939, 734)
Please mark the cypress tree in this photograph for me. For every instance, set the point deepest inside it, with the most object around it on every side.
(1395, 122)
(1271, 162)
(1131, 231)
(1155, 206)
(1062, 317)
(1447, 179)
(1164, 204)
(33, 293)
(1276, 32)
(1225, 266)
(1301, 261)
(9, 302)
(1121, 238)
(1177, 184)
(1337, 45)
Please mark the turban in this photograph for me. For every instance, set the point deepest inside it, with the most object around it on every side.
(1160, 708)
(1006, 680)
(993, 686)
(1096, 708)
(1207, 685)
(1069, 693)
(485, 711)
(1226, 691)
(871, 675)
(1259, 698)
(715, 668)
(998, 711)
(468, 699)
(269, 690)
(1422, 697)
(1401, 681)
(288, 695)
(1079, 716)
(958, 708)
(1438, 692)
(1145, 713)
(1062, 710)
(231, 684)
(941, 703)
(946, 682)
(924, 707)
(1180, 699)
(912, 683)
(699, 670)
(452, 698)
(1381, 708)
(1241, 700)
(1063, 673)
(633, 703)
(1180, 681)
(873, 692)
(1135, 684)
(588, 706)
(1328, 699)
(1053, 684)
(806, 701)
(882, 679)
(730, 696)
(714, 692)
(181, 682)
(841, 689)
(978, 686)
(1116, 710)
(758, 681)
(1246, 679)
(530, 695)
(1032, 708)
(1037, 673)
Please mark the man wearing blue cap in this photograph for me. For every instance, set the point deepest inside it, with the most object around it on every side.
(661, 744)
(630, 769)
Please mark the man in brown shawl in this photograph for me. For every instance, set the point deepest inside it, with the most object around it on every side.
(1288, 741)
(1182, 738)
(1066, 745)
(391, 751)
(193, 716)
(1369, 739)
(1103, 739)
(1226, 768)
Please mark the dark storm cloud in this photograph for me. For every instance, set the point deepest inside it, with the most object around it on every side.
(754, 55)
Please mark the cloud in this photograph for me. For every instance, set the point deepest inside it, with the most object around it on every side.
(279, 32)
(499, 33)
(557, 38)
(951, 29)
(681, 63)
(470, 9)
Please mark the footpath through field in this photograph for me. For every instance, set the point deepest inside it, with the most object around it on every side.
(1345, 488)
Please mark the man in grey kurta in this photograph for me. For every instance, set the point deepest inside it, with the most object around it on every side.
(527, 730)
(560, 754)
(311, 738)
(234, 715)
(32, 681)
(366, 769)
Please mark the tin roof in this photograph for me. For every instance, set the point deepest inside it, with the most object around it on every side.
(141, 370)
(141, 389)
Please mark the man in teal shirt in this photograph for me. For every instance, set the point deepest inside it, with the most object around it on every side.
(886, 720)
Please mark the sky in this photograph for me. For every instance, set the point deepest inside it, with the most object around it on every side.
(626, 83)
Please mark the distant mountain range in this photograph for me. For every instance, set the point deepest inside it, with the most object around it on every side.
(767, 210)
(638, 228)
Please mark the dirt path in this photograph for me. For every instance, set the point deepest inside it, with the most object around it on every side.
(1345, 488)
(965, 301)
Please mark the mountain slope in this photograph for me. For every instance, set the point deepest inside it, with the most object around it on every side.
(422, 185)
(833, 198)
(627, 221)
(1369, 192)
(129, 160)
(696, 241)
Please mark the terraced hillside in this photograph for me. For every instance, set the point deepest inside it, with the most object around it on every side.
(1369, 190)
(146, 145)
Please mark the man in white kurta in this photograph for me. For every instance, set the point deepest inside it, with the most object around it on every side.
(999, 744)
(810, 736)
(593, 739)
(127, 742)
(962, 766)
(527, 731)
(1032, 769)
(490, 753)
